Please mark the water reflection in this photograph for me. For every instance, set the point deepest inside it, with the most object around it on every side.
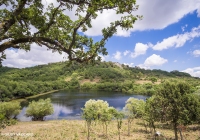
(68, 104)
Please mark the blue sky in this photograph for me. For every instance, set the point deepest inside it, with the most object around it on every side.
(167, 38)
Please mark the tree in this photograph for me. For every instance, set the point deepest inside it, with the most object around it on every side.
(10, 109)
(3, 121)
(153, 79)
(8, 112)
(175, 103)
(118, 116)
(106, 116)
(132, 110)
(24, 22)
(140, 75)
(152, 113)
(38, 110)
(97, 110)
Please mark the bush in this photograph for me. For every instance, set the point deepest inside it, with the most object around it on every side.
(10, 109)
(38, 110)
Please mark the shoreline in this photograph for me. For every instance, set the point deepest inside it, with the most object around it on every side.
(33, 96)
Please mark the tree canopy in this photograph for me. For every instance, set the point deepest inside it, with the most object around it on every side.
(24, 22)
(174, 103)
(38, 110)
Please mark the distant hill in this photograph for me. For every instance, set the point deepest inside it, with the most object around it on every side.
(18, 83)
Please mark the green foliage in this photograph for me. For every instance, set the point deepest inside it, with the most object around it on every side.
(3, 121)
(38, 110)
(54, 28)
(180, 74)
(174, 103)
(133, 109)
(97, 110)
(21, 83)
(139, 75)
(153, 79)
(118, 116)
(93, 109)
(152, 113)
(10, 109)
(8, 112)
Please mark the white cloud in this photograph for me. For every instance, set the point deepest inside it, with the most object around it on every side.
(198, 11)
(126, 52)
(58, 109)
(140, 49)
(103, 20)
(196, 53)
(193, 71)
(129, 64)
(155, 60)
(143, 66)
(172, 10)
(37, 56)
(117, 55)
(175, 61)
(177, 40)
(183, 27)
(157, 14)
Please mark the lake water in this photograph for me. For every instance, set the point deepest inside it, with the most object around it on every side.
(68, 104)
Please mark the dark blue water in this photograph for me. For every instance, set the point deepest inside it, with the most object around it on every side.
(68, 104)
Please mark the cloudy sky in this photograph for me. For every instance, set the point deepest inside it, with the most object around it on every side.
(167, 38)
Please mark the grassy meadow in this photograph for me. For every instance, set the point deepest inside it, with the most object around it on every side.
(76, 130)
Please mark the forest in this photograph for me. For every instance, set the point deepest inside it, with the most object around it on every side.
(109, 76)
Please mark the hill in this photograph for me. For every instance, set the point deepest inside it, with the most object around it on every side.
(20, 83)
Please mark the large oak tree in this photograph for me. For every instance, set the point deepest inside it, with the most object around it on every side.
(24, 22)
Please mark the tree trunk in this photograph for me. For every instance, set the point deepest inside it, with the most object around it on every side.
(145, 125)
(175, 131)
(106, 130)
(129, 127)
(181, 135)
(88, 130)
(119, 134)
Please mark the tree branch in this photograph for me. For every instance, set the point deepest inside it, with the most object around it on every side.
(13, 43)
(51, 21)
(8, 23)
(75, 31)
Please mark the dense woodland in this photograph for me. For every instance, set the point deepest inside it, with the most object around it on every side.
(21, 83)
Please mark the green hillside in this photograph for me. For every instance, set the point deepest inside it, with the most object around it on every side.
(20, 83)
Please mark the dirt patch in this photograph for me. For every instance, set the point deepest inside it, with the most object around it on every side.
(146, 81)
(94, 81)
(67, 79)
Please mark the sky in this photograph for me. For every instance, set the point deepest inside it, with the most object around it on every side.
(167, 38)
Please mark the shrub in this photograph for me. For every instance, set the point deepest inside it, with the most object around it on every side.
(38, 110)
(10, 109)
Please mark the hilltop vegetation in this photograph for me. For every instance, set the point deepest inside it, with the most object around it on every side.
(20, 83)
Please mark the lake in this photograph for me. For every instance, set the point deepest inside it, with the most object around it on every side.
(68, 104)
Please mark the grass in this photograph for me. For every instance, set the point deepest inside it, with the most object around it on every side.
(76, 130)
